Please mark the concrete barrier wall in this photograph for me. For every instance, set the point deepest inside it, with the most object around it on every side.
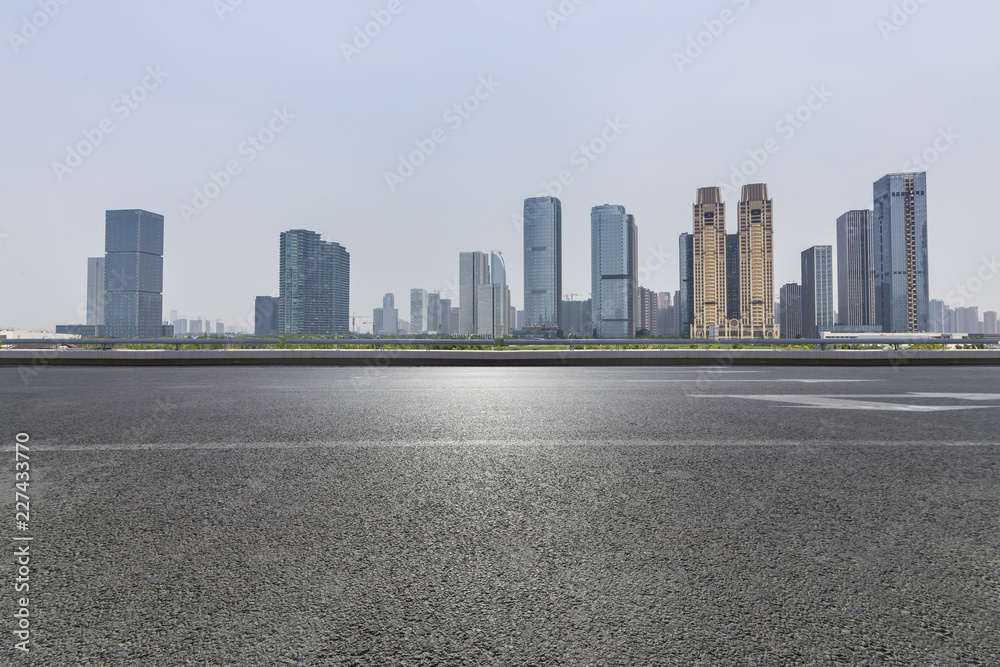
(674, 357)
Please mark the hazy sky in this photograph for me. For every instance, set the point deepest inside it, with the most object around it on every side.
(163, 95)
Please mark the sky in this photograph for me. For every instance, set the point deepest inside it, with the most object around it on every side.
(409, 132)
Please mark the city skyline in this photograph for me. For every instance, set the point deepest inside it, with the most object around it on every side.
(597, 136)
(746, 299)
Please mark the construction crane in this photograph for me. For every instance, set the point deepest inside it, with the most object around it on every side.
(355, 318)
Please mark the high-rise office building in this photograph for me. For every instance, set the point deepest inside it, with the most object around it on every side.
(95, 291)
(473, 271)
(614, 247)
(991, 327)
(493, 310)
(709, 250)
(542, 265)
(385, 320)
(265, 322)
(449, 318)
(434, 324)
(967, 319)
(732, 276)
(576, 318)
(935, 318)
(900, 253)
(685, 295)
(855, 269)
(817, 290)
(314, 285)
(133, 274)
(418, 311)
(498, 268)
(756, 266)
(791, 310)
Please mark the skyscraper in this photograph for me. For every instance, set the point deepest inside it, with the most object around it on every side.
(314, 285)
(449, 318)
(936, 319)
(817, 290)
(791, 310)
(498, 268)
(95, 291)
(265, 316)
(646, 319)
(492, 310)
(709, 252)
(855, 269)
(614, 246)
(418, 311)
(542, 265)
(434, 313)
(732, 276)
(473, 271)
(685, 295)
(133, 274)
(385, 320)
(900, 253)
(990, 324)
(756, 266)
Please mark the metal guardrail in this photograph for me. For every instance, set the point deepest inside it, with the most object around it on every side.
(571, 343)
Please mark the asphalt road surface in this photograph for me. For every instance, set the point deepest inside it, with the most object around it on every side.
(423, 516)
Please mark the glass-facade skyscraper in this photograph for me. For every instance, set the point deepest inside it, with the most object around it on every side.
(791, 311)
(817, 290)
(418, 311)
(614, 247)
(265, 321)
(314, 284)
(473, 271)
(855, 269)
(733, 276)
(685, 295)
(133, 274)
(900, 253)
(95, 291)
(542, 265)
(498, 268)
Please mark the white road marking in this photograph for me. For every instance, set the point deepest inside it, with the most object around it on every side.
(850, 402)
(757, 380)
